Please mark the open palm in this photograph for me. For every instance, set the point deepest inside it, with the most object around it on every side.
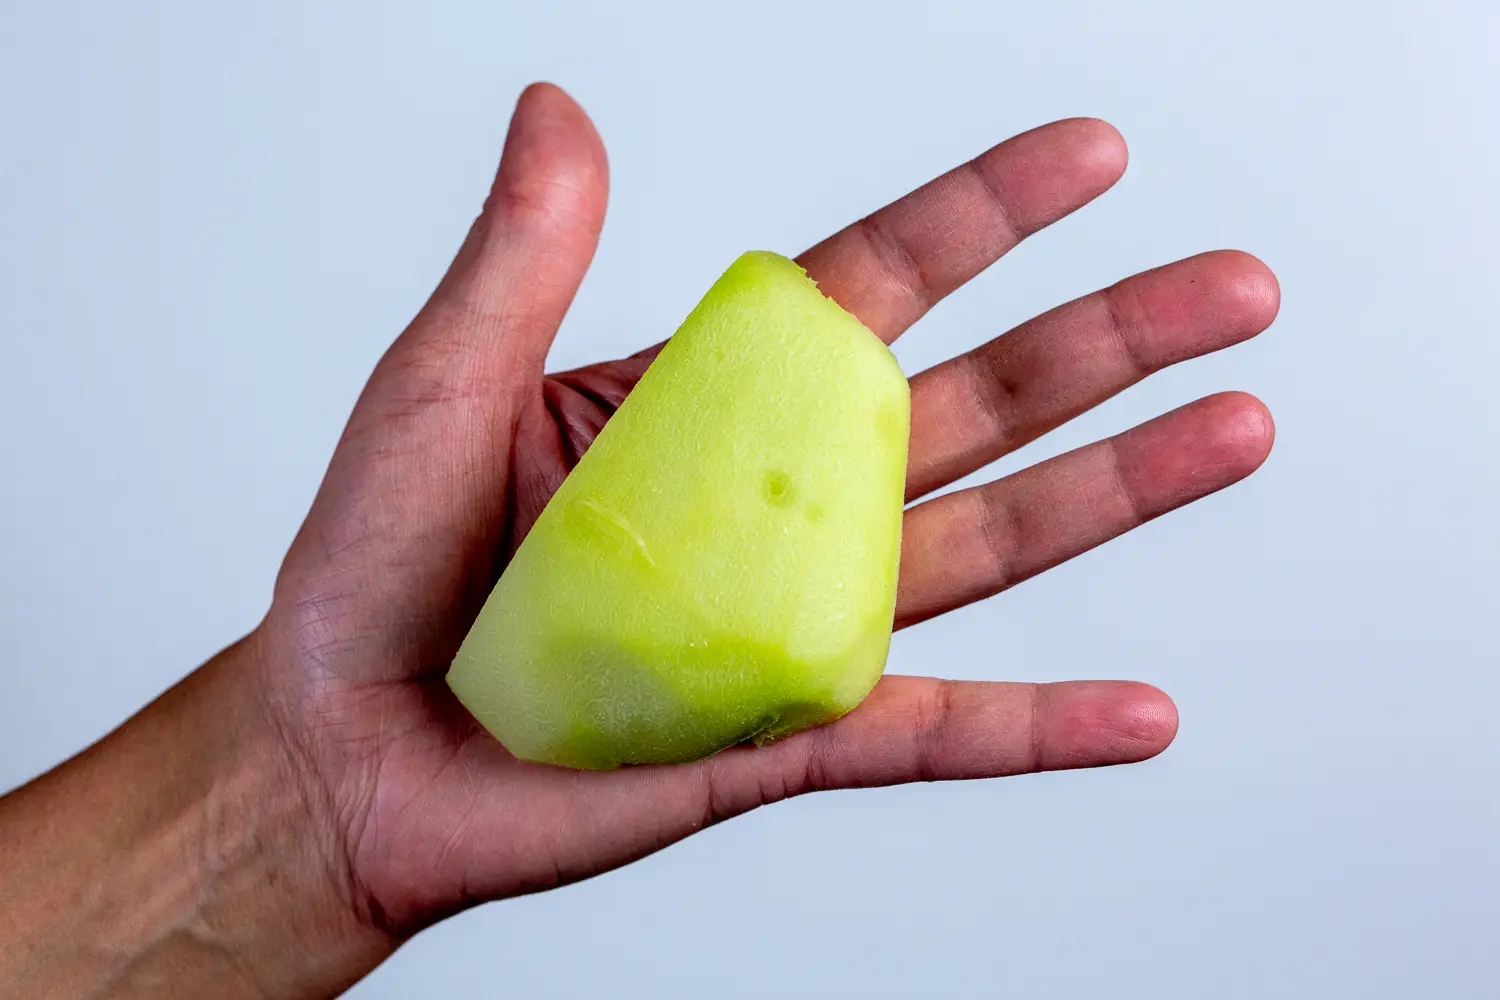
(459, 440)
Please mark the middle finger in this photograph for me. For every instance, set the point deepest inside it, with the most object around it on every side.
(972, 409)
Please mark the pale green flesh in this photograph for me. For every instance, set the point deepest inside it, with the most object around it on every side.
(721, 565)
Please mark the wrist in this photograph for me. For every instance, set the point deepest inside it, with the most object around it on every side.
(190, 853)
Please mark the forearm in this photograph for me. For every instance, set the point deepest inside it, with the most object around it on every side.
(182, 856)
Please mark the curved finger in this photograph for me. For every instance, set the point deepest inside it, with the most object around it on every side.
(972, 409)
(891, 267)
(965, 546)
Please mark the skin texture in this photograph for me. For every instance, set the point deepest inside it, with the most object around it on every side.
(281, 820)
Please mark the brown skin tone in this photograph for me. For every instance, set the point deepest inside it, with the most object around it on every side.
(281, 820)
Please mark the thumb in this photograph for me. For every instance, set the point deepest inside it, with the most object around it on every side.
(418, 481)
(507, 290)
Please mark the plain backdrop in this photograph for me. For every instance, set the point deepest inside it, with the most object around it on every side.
(214, 217)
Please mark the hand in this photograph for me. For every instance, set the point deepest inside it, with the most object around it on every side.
(459, 440)
(324, 793)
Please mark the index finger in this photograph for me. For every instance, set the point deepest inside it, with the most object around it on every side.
(889, 268)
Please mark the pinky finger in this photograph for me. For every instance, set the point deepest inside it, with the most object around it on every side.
(926, 729)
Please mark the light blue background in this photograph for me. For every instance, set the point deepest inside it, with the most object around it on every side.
(214, 217)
